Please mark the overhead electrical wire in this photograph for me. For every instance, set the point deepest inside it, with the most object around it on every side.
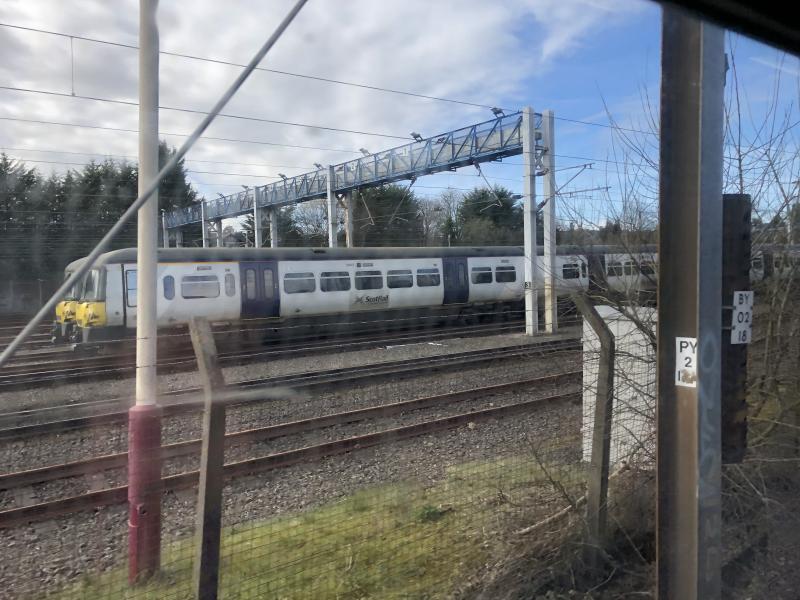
(198, 112)
(322, 79)
(135, 158)
(204, 137)
(294, 146)
(264, 69)
(152, 186)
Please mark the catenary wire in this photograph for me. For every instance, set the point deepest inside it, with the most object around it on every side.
(9, 351)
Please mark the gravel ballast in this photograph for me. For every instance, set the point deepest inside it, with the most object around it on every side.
(48, 554)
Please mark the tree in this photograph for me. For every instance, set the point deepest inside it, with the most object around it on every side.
(388, 216)
(288, 232)
(490, 217)
(47, 223)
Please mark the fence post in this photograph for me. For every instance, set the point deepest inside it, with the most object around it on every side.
(208, 527)
(597, 477)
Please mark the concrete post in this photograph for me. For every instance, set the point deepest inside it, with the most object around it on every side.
(273, 227)
(332, 221)
(218, 227)
(178, 237)
(529, 220)
(144, 419)
(549, 218)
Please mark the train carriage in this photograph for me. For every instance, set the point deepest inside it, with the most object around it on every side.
(334, 285)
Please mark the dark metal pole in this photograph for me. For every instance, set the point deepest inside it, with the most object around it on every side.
(690, 312)
(736, 214)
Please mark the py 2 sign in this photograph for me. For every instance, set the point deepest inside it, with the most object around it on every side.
(686, 361)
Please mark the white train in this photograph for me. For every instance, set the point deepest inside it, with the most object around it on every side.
(236, 284)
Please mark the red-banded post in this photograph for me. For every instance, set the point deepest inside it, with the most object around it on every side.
(144, 421)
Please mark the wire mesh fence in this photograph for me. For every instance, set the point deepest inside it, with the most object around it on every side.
(421, 493)
(479, 495)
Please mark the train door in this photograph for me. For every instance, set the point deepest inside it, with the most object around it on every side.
(259, 281)
(456, 284)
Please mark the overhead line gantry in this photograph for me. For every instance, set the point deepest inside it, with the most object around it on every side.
(525, 133)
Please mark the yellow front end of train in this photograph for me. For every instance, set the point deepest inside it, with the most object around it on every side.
(66, 312)
(91, 314)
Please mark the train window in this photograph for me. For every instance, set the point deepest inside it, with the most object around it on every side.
(169, 287)
(269, 284)
(334, 281)
(91, 286)
(481, 275)
(369, 280)
(130, 287)
(462, 275)
(614, 269)
(647, 268)
(299, 283)
(401, 278)
(200, 286)
(230, 284)
(583, 270)
(505, 274)
(757, 263)
(631, 268)
(428, 277)
(570, 271)
(250, 284)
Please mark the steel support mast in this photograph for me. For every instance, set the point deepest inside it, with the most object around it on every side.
(689, 309)
(529, 221)
(273, 227)
(549, 222)
(348, 217)
(144, 428)
(257, 229)
(333, 223)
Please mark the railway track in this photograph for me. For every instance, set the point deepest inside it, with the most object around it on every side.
(259, 464)
(39, 339)
(25, 424)
(36, 370)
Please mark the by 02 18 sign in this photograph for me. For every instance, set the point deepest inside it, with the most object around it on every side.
(742, 318)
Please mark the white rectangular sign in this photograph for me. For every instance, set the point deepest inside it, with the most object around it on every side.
(686, 361)
(742, 318)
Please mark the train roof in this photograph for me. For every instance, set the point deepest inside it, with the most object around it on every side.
(128, 255)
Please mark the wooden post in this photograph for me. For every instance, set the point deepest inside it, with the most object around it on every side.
(208, 528)
(597, 479)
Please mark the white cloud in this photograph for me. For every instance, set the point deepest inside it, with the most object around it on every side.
(485, 52)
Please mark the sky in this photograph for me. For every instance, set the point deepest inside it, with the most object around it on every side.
(587, 60)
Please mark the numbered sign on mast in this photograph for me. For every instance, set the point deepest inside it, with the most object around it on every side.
(686, 362)
(742, 318)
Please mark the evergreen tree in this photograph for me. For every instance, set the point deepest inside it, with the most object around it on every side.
(488, 217)
(387, 216)
(47, 223)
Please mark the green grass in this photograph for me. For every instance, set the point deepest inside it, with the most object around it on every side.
(391, 541)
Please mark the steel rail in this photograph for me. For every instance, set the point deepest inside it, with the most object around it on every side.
(189, 447)
(172, 404)
(77, 369)
(118, 495)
